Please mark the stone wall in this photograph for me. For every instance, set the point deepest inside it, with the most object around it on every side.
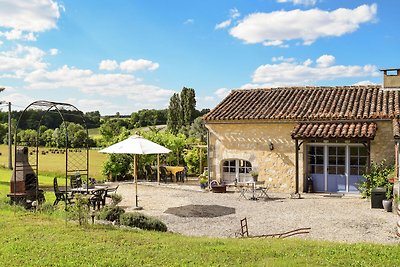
(382, 147)
(277, 167)
(251, 142)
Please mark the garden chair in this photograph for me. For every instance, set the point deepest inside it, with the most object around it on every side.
(61, 195)
(110, 191)
(76, 181)
(164, 174)
(98, 199)
(180, 176)
(150, 174)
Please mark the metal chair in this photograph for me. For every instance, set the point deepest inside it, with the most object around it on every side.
(75, 181)
(164, 174)
(61, 195)
(150, 174)
(98, 199)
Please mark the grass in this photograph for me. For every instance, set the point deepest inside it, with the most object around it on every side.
(54, 164)
(35, 239)
(39, 239)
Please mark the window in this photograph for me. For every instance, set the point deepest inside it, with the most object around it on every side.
(358, 160)
(236, 169)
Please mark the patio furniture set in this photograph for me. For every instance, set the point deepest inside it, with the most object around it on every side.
(96, 194)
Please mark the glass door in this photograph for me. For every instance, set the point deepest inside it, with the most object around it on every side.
(336, 169)
(316, 167)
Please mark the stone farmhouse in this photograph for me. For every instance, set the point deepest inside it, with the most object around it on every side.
(286, 135)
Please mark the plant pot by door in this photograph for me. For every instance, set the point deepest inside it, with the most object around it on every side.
(387, 205)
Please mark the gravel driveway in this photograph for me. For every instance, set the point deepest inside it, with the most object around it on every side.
(345, 219)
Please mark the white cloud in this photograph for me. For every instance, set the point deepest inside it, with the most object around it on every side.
(223, 24)
(305, 73)
(53, 51)
(233, 14)
(22, 58)
(299, 2)
(364, 83)
(188, 21)
(111, 85)
(131, 65)
(108, 64)
(326, 61)
(283, 59)
(18, 35)
(29, 16)
(222, 92)
(308, 25)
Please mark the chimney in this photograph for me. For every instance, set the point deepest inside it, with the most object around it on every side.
(391, 78)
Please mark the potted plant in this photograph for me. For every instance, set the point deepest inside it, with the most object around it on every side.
(254, 174)
(203, 180)
(387, 203)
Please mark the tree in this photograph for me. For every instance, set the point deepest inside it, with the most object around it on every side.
(198, 130)
(174, 121)
(110, 128)
(188, 105)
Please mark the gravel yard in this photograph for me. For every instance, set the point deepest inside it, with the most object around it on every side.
(344, 219)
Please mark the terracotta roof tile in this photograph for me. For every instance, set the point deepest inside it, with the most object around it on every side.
(335, 130)
(309, 103)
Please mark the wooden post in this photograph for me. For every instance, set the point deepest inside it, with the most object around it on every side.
(297, 166)
(158, 168)
(201, 159)
(136, 176)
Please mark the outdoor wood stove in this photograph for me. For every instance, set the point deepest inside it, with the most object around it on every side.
(24, 187)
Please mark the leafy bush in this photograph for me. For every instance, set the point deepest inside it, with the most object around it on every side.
(111, 213)
(116, 199)
(142, 221)
(376, 177)
(80, 211)
(117, 166)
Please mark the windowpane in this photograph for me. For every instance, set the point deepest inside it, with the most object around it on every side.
(362, 161)
(332, 160)
(319, 150)
(332, 169)
(340, 160)
(319, 169)
(341, 150)
(340, 170)
(353, 170)
(353, 161)
(353, 151)
(319, 160)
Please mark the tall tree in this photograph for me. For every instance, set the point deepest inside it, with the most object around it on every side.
(174, 120)
(188, 104)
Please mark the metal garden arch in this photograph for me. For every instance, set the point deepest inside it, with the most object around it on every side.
(24, 181)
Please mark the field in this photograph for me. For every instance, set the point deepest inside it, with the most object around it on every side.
(54, 164)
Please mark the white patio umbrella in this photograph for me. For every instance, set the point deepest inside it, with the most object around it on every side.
(137, 145)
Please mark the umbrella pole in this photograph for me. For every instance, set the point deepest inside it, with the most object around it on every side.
(158, 168)
(135, 163)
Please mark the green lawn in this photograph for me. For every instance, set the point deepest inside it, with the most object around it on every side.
(35, 239)
(54, 164)
(39, 239)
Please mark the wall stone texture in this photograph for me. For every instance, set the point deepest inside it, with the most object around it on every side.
(250, 141)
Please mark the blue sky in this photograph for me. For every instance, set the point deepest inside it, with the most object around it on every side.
(122, 56)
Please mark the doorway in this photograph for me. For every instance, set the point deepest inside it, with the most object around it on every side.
(336, 167)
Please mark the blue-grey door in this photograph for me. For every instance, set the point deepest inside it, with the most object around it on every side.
(336, 167)
(316, 166)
